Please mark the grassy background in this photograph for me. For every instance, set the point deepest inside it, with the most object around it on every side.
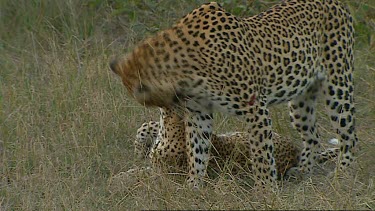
(67, 125)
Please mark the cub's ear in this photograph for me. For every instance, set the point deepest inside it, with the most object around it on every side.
(113, 65)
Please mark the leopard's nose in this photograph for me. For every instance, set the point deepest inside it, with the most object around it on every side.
(113, 65)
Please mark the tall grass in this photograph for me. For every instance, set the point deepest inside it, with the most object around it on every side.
(67, 124)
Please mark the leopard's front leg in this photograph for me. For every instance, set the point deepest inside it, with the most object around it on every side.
(260, 131)
(198, 134)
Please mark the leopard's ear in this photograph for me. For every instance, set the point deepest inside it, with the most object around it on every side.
(113, 65)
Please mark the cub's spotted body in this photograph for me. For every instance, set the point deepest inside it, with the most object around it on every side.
(165, 142)
(213, 61)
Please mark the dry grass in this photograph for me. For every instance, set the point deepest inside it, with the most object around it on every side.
(67, 124)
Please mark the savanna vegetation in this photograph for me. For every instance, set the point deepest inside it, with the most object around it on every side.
(67, 125)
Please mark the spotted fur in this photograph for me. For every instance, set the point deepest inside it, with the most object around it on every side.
(166, 144)
(297, 51)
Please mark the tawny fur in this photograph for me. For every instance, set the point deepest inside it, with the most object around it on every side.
(297, 51)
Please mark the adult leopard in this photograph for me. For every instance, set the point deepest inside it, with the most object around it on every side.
(212, 61)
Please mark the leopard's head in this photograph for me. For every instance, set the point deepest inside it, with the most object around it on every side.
(147, 73)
